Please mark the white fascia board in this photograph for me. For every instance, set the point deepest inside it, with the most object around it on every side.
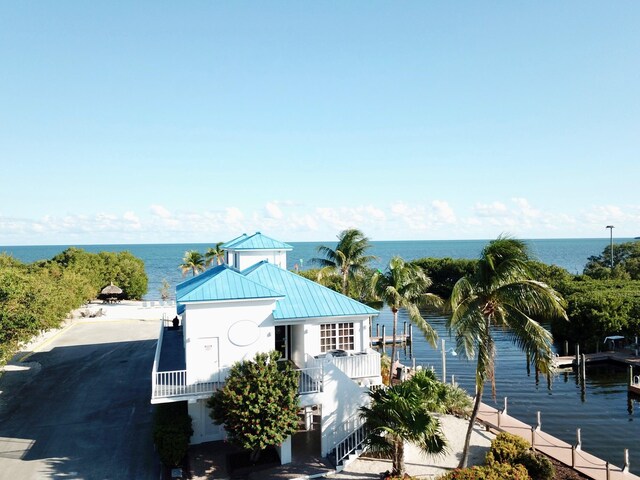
(319, 320)
(239, 300)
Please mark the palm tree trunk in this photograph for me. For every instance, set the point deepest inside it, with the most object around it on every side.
(398, 458)
(472, 421)
(345, 282)
(393, 344)
(478, 400)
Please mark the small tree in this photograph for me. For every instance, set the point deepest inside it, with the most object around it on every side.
(401, 414)
(171, 432)
(258, 404)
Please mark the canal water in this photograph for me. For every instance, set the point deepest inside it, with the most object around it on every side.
(609, 418)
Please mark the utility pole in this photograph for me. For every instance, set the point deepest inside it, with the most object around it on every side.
(610, 227)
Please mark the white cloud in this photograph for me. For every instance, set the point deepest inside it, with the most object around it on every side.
(160, 211)
(443, 212)
(495, 209)
(291, 221)
(273, 210)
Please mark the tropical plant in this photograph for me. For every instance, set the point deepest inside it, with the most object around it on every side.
(348, 258)
(626, 261)
(193, 262)
(500, 471)
(215, 254)
(404, 285)
(258, 404)
(398, 414)
(441, 397)
(171, 432)
(501, 293)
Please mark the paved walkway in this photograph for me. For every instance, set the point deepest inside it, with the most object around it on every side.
(585, 463)
(78, 405)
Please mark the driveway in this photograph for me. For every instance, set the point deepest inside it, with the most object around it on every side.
(79, 407)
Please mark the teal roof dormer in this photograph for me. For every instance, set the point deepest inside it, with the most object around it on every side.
(257, 241)
(222, 283)
(304, 298)
(230, 243)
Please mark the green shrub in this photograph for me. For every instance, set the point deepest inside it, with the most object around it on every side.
(499, 471)
(506, 448)
(538, 465)
(171, 432)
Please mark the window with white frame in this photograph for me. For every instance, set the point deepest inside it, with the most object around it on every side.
(336, 336)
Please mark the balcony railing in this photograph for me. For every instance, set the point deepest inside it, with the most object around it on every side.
(359, 365)
(310, 380)
(174, 384)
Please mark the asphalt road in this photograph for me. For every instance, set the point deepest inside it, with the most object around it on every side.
(79, 407)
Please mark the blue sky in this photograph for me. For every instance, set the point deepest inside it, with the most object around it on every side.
(136, 122)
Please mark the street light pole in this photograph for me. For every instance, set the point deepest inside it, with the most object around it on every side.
(610, 227)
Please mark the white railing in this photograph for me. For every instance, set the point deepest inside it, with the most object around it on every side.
(354, 432)
(310, 380)
(359, 365)
(174, 384)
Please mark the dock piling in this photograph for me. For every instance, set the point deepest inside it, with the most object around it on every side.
(504, 410)
(444, 363)
(608, 471)
(539, 419)
(583, 369)
(625, 469)
(578, 354)
(411, 334)
(404, 329)
(578, 439)
(533, 438)
(566, 348)
(378, 330)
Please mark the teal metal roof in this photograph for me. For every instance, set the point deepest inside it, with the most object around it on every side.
(304, 298)
(230, 243)
(222, 283)
(257, 241)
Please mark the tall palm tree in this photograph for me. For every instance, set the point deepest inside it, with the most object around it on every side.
(400, 414)
(214, 254)
(404, 285)
(349, 257)
(502, 293)
(193, 262)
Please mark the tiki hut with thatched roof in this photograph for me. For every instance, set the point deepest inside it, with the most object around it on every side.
(111, 293)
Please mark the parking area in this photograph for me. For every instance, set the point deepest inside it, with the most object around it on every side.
(78, 407)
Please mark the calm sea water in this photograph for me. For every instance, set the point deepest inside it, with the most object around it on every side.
(608, 416)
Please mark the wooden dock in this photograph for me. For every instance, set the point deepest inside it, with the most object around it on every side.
(388, 340)
(581, 461)
(624, 357)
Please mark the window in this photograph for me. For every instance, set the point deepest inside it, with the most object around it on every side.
(336, 336)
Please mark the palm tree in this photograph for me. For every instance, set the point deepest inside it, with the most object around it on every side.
(192, 261)
(404, 285)
(502, 293)
(348, 258)
(398, 414)
(214, 254)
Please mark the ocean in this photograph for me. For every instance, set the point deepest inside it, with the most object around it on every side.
(162, 260)
(607, 415)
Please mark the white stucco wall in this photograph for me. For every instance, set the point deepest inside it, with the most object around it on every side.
(360, 333)
(275, 257)
(219, 334)
(341, 398)
(204, 430)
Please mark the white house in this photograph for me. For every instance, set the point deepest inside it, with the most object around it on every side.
(252, 304)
